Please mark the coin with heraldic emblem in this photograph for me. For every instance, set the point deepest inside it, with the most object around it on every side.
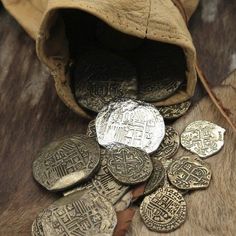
(164, 210)
(66, 162)
(189, 172)
(132, 123)
(100, 77)
(157, 177)
(91, 130)
(90, 214)
(174, 111)
(203, 138)
(129, 165)
(169, 145)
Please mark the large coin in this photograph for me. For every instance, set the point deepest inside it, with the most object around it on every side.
(157, 177)
(129, 165)
(203, 138)
(66, 162)
(91, 130)
(103, 182)
(174, 111)
(132, 123)
(164, 210)
(169, 145)
(189, 172)
(101, 77)
(89, 214)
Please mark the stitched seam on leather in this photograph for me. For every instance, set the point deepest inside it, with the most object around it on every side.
(148, 18)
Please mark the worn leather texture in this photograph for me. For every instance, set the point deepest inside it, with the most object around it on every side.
(158, 20)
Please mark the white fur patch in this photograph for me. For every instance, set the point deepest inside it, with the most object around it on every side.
(209, 10)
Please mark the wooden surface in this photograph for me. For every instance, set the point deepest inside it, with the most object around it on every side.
(32, 115)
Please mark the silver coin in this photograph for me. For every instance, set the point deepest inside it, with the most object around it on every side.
(101, 77)
(132, 123)
(67, 161)
(203, 138)
(82, 215)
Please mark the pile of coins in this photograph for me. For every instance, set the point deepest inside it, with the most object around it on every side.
(127, 144)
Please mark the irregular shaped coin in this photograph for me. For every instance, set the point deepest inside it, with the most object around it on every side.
(164, 210)
(101, 77)
(129, 122)
(174, 111)
(129, 165)
(169, 145)
(90, 214)
(157, 177)
(189, 172)
(203, 138)
(91, 130)
(66, 161)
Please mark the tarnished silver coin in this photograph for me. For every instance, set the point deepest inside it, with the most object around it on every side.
(37, 228)
(90, 214)
(189, 172)
(169, 145)
(174, 111)
(129, 165)
(131, 123)
(103, 182)
(101, 77)
(163, 211)
(66, 162)
(157, 177)
(91, 130)
(203, 138)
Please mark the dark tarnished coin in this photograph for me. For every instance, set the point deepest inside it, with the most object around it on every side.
(37, 228)
(203, 138)
(91, 131)
(101, 77)
(129, 165)
(174, 111)
(90, 214)
(157, 177)
(163, 211)
(132, 123)
(169, 145)
(103, 182)
(66, 162)
(189, 172)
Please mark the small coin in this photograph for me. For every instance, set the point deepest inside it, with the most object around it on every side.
(203, 138)
(157, 177)
(164, 210)
(169, 145)
(101, 77)
(189, 172)
(91, 130)
(37, 228)
(89, 214)
(174, 111)
(129, 165)
(103, 182)
(66, 162)
(129, 122)
(115, 40)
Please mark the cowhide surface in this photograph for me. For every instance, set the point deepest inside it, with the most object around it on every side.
(31, 115)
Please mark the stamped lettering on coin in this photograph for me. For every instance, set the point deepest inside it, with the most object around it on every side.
(164, 210)
(189, 172)
(203, 138)
(66, 162)
(132, 123)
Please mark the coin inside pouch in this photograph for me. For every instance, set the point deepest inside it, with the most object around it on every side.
(154, 71)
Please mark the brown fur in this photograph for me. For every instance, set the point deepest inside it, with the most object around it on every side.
(32, 115)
